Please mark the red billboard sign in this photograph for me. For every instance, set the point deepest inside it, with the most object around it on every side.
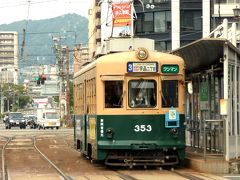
(122, 14)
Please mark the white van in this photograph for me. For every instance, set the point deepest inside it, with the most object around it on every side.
(48, 118)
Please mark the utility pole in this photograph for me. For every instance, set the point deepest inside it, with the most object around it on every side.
(59, 58)
(23, 44)
(66, 57)
(1, 101)
(63, 61)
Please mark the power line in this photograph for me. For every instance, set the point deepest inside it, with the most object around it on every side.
(28, 14)
(24, 3)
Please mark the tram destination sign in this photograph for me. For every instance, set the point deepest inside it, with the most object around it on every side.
(170, 68)
(142, 67)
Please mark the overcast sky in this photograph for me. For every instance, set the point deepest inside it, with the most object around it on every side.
(16, 10)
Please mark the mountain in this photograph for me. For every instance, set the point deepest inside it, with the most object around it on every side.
(72, 29)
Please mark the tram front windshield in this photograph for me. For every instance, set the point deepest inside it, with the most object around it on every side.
(142, 93)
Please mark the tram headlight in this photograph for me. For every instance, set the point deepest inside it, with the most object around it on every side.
(109, 133)
(174, 132)
(142, 53)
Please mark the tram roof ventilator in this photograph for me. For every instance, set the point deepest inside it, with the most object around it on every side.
(113, 45)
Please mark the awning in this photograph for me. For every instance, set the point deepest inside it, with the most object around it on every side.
(203, 53)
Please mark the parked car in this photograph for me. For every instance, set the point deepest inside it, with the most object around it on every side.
(5, 117)
(15, 119)
(32, 121)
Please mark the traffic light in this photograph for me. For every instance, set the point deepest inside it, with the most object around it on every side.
(43, 78)
(40, 79)
(37, 79)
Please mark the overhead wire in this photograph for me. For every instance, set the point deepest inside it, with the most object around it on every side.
(105, 21)
(24, 31)
(24, 3)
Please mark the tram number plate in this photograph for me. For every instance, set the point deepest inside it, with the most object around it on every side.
(142, 128)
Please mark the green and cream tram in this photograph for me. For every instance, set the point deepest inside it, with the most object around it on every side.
(129, 109)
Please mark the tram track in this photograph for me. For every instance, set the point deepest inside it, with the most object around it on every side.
(124, 176)
(57, 158)
(15, 144)
(4, 175)
(187, 175)
(194, 175)
(50, 162)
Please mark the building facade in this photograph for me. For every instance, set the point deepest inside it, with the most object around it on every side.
(94, 28)
(80, 57)
(221, 9)
(9, 57)
(171, 23)
(153, 19)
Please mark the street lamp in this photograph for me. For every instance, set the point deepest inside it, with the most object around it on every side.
(236, 12)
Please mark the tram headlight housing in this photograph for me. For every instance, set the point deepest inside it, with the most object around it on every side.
(109, 133)
(174, 132)
(142, 53)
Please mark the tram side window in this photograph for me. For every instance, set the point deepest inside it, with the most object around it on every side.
(170, 93)
(113, 94)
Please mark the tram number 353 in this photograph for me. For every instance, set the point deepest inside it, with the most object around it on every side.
(142, 128)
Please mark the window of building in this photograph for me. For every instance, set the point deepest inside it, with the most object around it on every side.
(183, 43)
(113, 94)
(148, 22)
(148, 1)
(154, 1)
(169, 93)
(153, 22)
(139, 23)
(168, 20)
(163, 46)
(191, 20)
(227, 1)
(159, 21)
(160, 1)
(142, 93)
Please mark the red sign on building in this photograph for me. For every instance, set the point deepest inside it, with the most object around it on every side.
(122, 14)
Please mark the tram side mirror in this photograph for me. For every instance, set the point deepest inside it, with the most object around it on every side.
(190, 87)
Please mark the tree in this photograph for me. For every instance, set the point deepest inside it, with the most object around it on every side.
(16, 96)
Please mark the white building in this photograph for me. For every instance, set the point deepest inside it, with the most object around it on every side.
(9, 57)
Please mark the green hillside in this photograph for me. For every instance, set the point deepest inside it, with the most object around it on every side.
(72, 29)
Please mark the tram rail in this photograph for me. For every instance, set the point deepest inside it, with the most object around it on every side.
(194, 176)
(34, 146)
(41, 147)
(50, 162)
(4, 168)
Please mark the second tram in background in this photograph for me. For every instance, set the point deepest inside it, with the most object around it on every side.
(129, 109)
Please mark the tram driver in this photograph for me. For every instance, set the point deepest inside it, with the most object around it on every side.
(139, 100)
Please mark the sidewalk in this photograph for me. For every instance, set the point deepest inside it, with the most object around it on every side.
(210, 164)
